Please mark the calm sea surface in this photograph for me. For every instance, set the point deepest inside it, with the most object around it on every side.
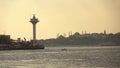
(54, 57)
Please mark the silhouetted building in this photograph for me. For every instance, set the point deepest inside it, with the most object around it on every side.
(5, 39)
(76, 34)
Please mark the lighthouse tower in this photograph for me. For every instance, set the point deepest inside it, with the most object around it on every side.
(34, 21)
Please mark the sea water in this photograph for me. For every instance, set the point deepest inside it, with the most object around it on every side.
(62, 57)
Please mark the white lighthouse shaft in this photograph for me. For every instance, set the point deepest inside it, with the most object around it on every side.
(34, 33)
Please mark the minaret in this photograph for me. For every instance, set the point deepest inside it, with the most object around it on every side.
(34, 20)
(104, 32)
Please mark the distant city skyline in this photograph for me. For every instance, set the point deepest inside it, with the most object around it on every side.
(58, 16)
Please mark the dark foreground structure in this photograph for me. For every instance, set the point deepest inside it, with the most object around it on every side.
(9, 47)
(8, 44)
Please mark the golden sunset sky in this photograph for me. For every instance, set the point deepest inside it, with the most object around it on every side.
(58, 16)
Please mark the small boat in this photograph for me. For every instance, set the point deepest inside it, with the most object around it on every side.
(64, 49)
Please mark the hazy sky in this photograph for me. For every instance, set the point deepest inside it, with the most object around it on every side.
(58, 16)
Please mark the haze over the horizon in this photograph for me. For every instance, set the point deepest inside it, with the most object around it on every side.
(58, 16)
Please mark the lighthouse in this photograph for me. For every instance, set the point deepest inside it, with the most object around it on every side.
(34, 21)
